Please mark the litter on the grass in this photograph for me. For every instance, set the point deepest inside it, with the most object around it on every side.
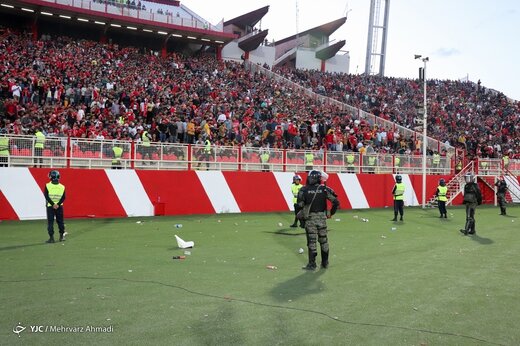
(183, 244)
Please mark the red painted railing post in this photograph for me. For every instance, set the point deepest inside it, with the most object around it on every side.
(68, 152)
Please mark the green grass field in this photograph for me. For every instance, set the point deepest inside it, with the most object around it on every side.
(420, 284)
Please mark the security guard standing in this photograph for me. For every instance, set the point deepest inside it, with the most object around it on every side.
(350, 162)
(54, 196)
(295, 188)
(472, 198)
(372, 163)
(313, 199)
(505, 161)
(501, 195)
(309, 160)
(436, 162)
(118, 153)
(146, 138)
(264, 158)
(207, 152)
(38, 147)
(397, 163)
(442, 198)
(484, 166)
(398, 194)
(4, 148)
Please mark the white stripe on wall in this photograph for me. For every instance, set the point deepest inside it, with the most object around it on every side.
(512, 185)
(218, 192)
(284, 181)
(23, 193)
(130, 192)
(410, 198)
(353, 189)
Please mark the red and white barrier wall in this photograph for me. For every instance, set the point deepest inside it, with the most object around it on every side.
(122, 193)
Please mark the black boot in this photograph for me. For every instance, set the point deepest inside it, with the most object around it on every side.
(51, 240)
(312, 261)
(324, 259)
(395, 217)
(62, 237)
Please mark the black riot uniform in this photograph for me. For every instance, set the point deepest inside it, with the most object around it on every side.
(501, 195)
(472, 198)
(313, 199)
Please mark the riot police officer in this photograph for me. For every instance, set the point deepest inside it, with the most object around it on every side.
(398, 194)
(501, 195)
(54, 196)
(472, 198)
(313, 199)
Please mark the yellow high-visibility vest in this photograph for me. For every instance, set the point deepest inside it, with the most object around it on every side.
(4, 146)
(118, 152)
(399, 192)
(350, 160)
(146, 140)
(207, 147)
(443, 190)
(56, 191)
(295, 189)
(309, 158)
(40, 140)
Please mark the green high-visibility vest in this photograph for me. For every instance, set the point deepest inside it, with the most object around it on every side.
(4, 146)
(264, 157)
(443, 190)
(56, 191)
(350, 160)
(371, 161)
(40, 140)
(505, 159)
(397, 161)
(399, 192)
(309, 158)
(118, 152)
(207, 146)
(146, 140)
(436, 159)
(295, 189)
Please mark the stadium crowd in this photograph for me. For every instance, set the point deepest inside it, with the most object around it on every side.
(87, 89)
(485, 122)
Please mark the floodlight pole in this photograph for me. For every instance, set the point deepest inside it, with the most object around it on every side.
(425, 126)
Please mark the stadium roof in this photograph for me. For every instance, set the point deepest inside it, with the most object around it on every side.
(329, 51)
(112, 20)
(248, 19)
(323, 30)
(251, 43)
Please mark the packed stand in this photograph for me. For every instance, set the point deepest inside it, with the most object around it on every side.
(464, 114)
(91, 90)
(87, 89)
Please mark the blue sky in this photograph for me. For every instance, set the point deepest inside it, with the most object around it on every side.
(462, 38)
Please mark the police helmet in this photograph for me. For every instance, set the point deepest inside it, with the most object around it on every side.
(296, 177)
(54, 176)
(3, 131)
(468, 178)
(314, 177)
(398, 178)
(442, 182)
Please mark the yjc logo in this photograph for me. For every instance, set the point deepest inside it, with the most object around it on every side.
(18, 329)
